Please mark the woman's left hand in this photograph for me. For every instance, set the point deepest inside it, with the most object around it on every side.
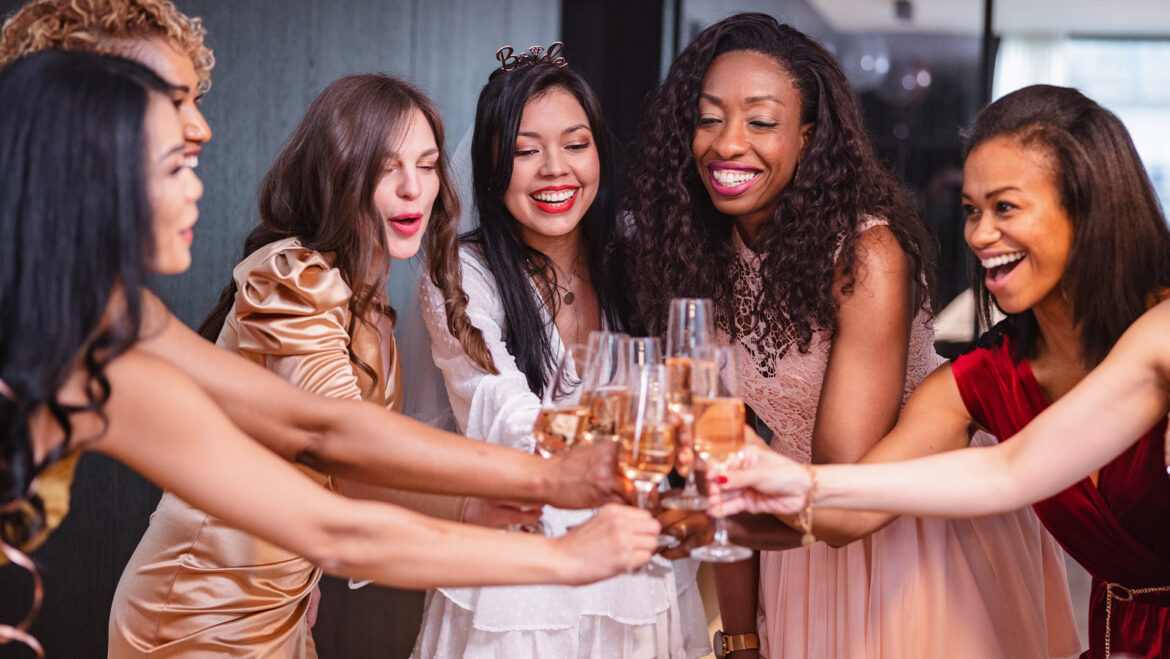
(759, 481)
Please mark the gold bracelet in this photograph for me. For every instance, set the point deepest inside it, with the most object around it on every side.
(804, 519)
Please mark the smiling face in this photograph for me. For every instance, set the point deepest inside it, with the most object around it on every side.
(1016, 225)
(178, 70)
(172, 188)
(408, 187)
(748, 138)
(555, 167)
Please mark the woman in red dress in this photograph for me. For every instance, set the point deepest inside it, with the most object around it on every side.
(1073, 247)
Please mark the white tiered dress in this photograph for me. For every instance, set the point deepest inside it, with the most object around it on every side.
(630, 616)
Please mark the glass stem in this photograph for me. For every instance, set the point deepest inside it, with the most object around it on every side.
(691, 488)
(720, 528)
(643, 489)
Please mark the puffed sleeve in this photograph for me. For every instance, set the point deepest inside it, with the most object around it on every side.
(292, 310)
(497, 408)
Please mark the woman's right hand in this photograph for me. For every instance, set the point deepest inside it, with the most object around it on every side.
(585, 477)
(759, 481)
(617, 539)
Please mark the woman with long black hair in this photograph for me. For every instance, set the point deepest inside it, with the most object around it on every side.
(538, 276)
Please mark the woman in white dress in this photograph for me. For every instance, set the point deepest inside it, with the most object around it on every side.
(538, 276)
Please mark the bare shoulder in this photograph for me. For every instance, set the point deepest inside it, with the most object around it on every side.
(879, 251)
(882, 280)
(141, 387)
(139, 380)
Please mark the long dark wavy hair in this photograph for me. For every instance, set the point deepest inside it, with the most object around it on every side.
(511, 261)
(320, 190)
(75, 233)
(682, 246)
(1120, 258)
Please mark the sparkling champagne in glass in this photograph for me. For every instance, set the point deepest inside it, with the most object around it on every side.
(690, 326)
(718, 432)
(648, 438)
(563, 414)
(605, 388)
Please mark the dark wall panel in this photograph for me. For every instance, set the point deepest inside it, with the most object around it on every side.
(272, 58)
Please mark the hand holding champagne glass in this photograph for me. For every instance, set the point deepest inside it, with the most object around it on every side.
(690, 326)
(718, 432)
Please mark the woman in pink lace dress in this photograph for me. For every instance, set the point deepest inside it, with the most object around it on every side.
(756, 186)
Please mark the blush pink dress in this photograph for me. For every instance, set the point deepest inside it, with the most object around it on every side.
(919, 588)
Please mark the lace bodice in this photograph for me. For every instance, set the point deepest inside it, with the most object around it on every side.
(781, 383)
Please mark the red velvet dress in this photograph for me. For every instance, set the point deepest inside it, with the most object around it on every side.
(1119, 530)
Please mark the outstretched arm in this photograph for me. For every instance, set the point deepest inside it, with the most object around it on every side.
(162, 425)
(934, 420)
(1089, 426)
(364, 442)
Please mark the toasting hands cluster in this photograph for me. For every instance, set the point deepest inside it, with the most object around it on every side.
(659, 413)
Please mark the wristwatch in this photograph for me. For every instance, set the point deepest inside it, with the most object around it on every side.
(725, 644)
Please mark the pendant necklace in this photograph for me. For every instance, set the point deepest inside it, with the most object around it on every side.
(567, 295)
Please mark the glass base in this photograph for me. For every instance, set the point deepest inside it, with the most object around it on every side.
(667, 541)
(683, 501)
(715, 553)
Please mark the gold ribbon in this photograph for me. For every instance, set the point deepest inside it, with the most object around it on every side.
(19, 632)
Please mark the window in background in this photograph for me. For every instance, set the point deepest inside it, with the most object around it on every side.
(1128, 76)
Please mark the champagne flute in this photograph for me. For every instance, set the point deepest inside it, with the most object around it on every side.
(648, 438)
(690, 326)
(718, 432)
(605, 388)
(563, 413)
(639, 351)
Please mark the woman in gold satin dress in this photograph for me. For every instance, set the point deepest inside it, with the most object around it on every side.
(360, 182)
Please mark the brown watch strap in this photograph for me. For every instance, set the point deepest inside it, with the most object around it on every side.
(737, 642)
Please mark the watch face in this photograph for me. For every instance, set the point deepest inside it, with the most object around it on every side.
(717, 641)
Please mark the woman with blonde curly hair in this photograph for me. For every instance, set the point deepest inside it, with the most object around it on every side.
(151, 32)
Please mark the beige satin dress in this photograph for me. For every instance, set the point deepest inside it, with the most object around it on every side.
(197, 587)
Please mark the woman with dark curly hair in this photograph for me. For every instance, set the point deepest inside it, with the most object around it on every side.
(756, 186)
(536, 276)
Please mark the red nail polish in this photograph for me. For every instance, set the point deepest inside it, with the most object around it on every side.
(722, 480)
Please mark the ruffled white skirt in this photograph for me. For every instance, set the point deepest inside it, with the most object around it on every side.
(657, 615)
